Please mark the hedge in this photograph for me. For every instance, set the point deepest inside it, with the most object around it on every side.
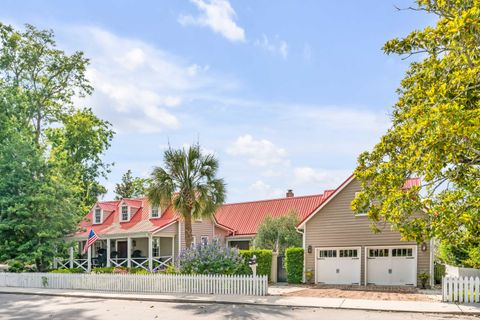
(264, 260)
(71, 270)
(294, 264)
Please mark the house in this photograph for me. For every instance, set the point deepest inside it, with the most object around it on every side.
(132, 233)
(340, 247)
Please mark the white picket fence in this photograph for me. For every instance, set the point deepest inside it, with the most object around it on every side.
(461, 289)
(149, 283)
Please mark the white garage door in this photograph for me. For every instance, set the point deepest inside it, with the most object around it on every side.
(338, 265)
(392, 265)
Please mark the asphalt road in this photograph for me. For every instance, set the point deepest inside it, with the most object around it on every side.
(45, 307)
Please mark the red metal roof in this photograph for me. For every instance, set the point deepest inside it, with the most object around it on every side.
(241, 218)
(246, 217)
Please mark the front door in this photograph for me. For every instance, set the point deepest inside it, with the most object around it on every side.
(122, 249)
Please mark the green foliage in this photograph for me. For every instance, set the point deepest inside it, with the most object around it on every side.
(130, 187)
(294, 264)
(435, 134)
(438, 272)
(187, 181)
(50, 150)
(452, 254)
(264, 260)
(473, 260)
(72, 270)
(278, 233)
(103, 269)
(211, 259)
(423, 277)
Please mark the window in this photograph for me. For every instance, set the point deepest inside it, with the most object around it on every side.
(204, 240)
(156, 247)
(374, 253)
(402, 252)
(348, 253)
(124, 212)
(155, 212)
(327, 254)
(97, 216)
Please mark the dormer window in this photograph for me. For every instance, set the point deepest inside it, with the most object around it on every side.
(97, 216)
(155, 212)
(124, 212)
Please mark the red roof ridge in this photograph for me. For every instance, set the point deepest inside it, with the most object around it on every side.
(275, 199)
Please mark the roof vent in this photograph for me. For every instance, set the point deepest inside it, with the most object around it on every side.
(290, 193)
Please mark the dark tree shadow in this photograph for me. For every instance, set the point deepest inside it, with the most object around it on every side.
(22, 307)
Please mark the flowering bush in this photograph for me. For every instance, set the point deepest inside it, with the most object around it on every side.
(211, 259)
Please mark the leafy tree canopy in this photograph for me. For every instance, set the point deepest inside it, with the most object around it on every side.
(278, 233)
(50, 149)
(130, 187)
(435, 133)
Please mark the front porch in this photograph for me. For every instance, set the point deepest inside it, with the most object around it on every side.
(151, 253)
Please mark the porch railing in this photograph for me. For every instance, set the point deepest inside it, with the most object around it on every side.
(158, 263)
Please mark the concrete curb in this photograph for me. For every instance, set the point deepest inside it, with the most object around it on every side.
(290, 302)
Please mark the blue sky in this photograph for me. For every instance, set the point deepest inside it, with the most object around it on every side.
(285, 93)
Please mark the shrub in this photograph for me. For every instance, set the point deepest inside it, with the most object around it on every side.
(138, 271)
(294, 264)
(72, 270)
(103, 269)
(264, 260)
(15, 266)
(211, 259)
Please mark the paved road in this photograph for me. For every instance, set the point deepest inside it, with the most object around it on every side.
(45, 307)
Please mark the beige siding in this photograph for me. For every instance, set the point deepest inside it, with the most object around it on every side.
(200, 228)
(221, 234)
(335, 225)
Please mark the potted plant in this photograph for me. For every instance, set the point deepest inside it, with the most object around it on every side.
(423, 279)
(308, 276)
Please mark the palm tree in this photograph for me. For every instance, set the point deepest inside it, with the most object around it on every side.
(188, 182)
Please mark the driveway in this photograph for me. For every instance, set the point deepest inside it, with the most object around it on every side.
(369, 293)
(16, 307)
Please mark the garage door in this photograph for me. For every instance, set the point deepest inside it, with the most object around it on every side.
(392, 265)
(338, 265)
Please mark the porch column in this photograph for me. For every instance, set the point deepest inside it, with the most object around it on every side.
(108, 252)
(70, 251)
(129, 252)
(173, 250)
(150, 253)
(89, 259)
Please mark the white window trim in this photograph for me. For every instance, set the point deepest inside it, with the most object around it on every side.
(159, 213)
(121, 212)
(95, 215)
(194, 242)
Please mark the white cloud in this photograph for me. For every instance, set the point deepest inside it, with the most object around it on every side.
(136, 84)
(320, 177)
(264, 190)
(258, 152)
(275, 46)
(218, 15)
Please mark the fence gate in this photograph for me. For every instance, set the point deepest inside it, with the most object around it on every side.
(281, 271)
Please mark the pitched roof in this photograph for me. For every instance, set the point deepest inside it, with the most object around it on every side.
(246, 217)
(140, 221)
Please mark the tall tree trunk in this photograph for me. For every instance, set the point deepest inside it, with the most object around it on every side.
(188, 231)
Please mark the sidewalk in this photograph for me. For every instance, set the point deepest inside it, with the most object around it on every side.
(333, 303)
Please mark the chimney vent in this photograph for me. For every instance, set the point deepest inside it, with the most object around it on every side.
(290, 193)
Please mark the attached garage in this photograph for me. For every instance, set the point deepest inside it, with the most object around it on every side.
(391, 265)
(338, 265)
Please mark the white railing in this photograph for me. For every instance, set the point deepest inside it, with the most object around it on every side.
(150, 283)
(461, 289)
(160, 263)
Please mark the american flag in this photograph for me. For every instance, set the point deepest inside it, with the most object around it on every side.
(92, 237)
